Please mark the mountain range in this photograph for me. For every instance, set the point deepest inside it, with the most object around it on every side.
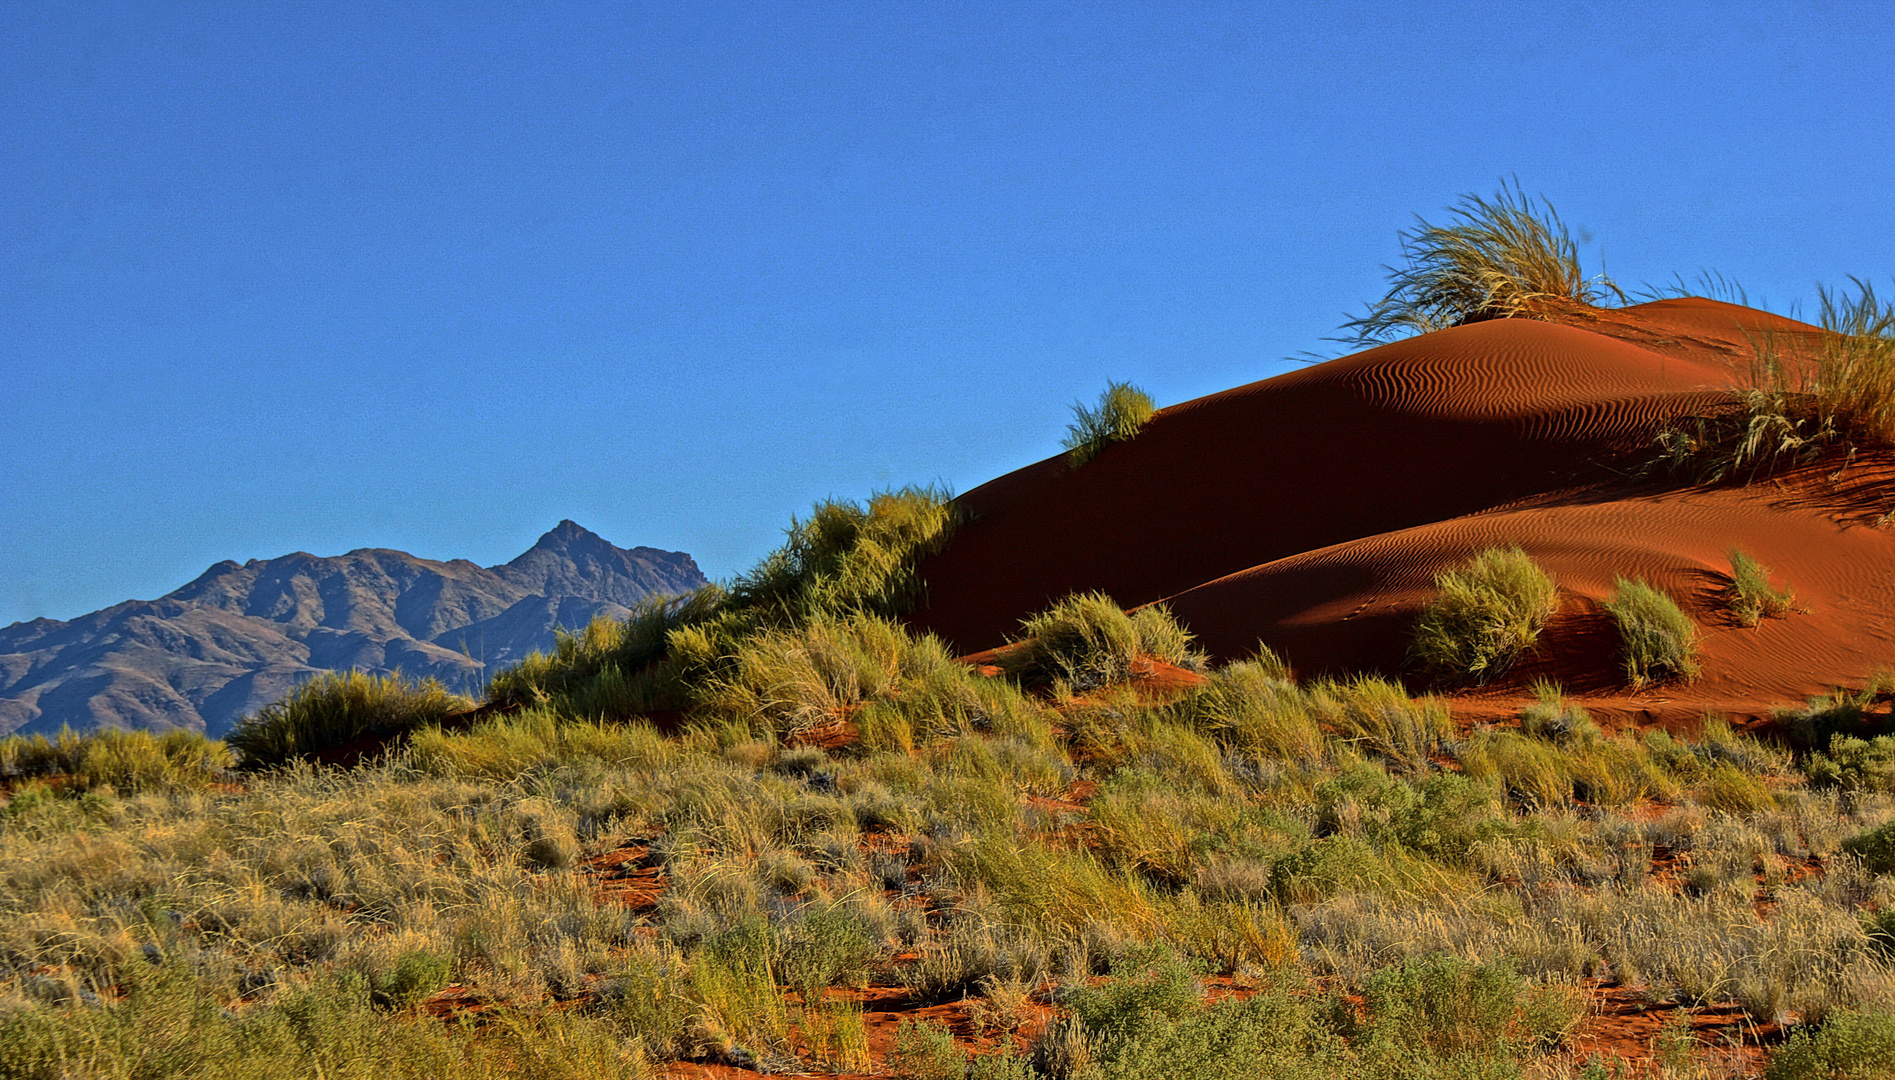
(243, 634)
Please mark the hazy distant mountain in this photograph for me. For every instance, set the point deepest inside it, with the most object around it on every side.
(242, 635)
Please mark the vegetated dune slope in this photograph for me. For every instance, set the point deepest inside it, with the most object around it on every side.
(1311, 512)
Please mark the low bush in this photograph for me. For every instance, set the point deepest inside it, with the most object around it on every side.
(1847, 1046)
(1122, 410)
(337, 708)
(1751, 597)
(1657, 639)
(1483, 617)
(1875, 847)
(125, 761)
(1087, 641)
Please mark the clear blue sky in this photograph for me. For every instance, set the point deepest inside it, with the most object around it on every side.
(318, 277)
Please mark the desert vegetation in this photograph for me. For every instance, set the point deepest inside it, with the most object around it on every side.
(1505, 257)
(1061, 871)
(1751, 598)
(1657, 640)
(1802, 397)
(1122, 410)
(1484, 616)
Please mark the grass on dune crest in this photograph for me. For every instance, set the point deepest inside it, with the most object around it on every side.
(1801, 399)
(848, 557)
(1499, 258)
(1122, 410)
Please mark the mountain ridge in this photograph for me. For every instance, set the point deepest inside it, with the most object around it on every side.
(240, 635)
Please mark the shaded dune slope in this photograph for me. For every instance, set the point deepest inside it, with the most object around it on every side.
(1312, 510)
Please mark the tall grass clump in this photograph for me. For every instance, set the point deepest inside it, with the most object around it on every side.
(337, 708)
(1802, 398)
(1503, 258)
(1121, 412)
(1484, 616)
(1087, 640)
(125, 761)
(1658, 640)
(1751, 597)
(847, 557)
(607, 649)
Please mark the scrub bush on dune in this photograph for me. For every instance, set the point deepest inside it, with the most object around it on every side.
(1483, 617)
(1088, 641)
(1501, 258)
(1122, 410)
(1658, 639)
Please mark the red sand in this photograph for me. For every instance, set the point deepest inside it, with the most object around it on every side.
(1312, 510)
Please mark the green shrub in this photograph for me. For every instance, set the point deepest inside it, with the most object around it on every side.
(1854, 764)
(337, 708)
(414, 976)
(1483, 616)
(848, 558)
(1847, 1046)
(1087, 640)
(1750, 597)
(926, 1051)
(1447, 1005)
(1658, 640)
(1504, 258)
(126, 761)
(1122, 410)
(1875, 847)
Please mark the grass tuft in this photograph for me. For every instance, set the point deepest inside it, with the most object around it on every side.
(1801, 399)
(1484, 616)
(1658, 639)
(1087, 640)
(337, 708)
(1503, 258)
(1750, 598)
(1122, 410)
(847, 557)
(125, 761)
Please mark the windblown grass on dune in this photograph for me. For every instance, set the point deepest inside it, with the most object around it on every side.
(1122, 410)
(1801, 399)
(1499, 258)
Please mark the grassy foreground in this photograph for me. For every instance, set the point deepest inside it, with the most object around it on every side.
(1249, 877)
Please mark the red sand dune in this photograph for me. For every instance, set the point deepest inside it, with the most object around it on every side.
(1312, 510)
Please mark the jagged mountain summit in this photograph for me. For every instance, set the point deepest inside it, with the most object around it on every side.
(243, 634)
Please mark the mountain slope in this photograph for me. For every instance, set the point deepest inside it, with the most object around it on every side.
(241, 635)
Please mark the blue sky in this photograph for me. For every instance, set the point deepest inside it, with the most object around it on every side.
(320, 277)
